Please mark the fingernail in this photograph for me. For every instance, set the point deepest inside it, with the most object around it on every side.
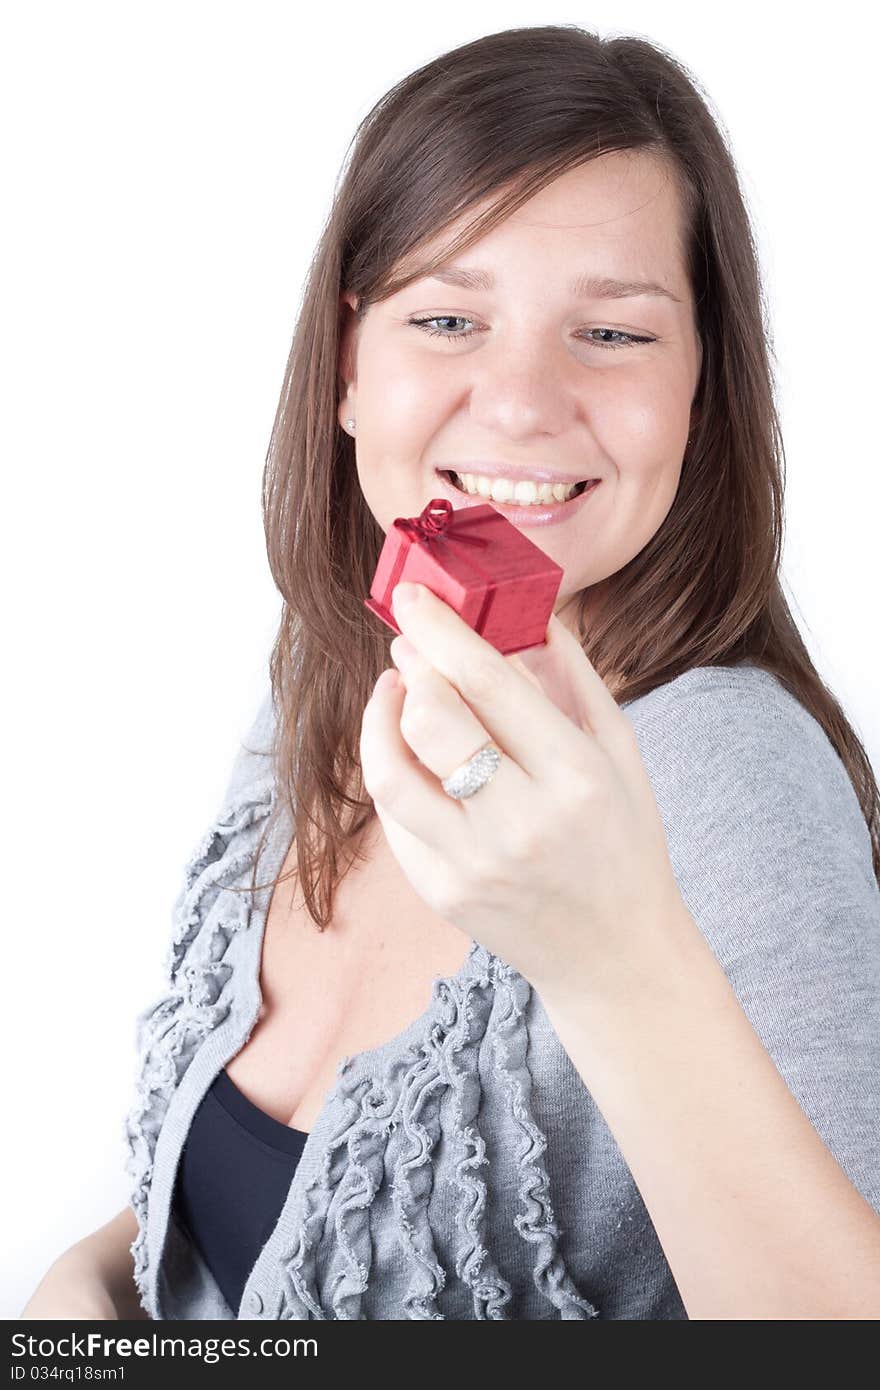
(403, 596)
(388, 680)
(402, 653)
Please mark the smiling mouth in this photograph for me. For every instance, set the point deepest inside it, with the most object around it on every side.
(456, 482)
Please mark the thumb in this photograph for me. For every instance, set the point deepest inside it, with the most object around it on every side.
(560, 667)
(518, 664)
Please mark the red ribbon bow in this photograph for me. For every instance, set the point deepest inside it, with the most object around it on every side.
(438, 521)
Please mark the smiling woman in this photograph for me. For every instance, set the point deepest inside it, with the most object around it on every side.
(531, 1001)
(587, 1026)
(560, 376)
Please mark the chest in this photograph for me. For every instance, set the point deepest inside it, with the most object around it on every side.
(327, 995)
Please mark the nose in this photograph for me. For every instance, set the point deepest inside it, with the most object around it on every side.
(521, 389)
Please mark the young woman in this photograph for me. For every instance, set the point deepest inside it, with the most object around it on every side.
(560, 992)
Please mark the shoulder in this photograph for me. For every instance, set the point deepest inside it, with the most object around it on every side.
(228, 845)
(725, 736)
(764, 827)
(253, 761)
(709, 698)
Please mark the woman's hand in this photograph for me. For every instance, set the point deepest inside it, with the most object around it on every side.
(559, 865)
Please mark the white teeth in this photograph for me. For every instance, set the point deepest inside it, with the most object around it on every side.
(526, 493)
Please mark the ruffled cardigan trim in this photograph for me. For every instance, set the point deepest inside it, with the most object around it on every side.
(404, 1100)
(200, 989)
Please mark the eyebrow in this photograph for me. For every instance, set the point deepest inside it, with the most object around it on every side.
(582, 287)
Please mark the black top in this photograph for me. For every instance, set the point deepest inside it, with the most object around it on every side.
(235, 1171)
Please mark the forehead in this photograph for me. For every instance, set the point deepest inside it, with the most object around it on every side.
(619, 214)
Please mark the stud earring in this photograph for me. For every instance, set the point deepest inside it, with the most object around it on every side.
(350, 425)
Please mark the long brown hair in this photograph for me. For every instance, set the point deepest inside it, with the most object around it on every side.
(502, 117)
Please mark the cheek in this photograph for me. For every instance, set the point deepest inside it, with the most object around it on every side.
(643, 427)
(401, 405)
(403, 397)
(644, 434)
(649, 479)
(401, 392)
(647, 416)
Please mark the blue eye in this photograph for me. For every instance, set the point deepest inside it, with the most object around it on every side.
(632, 340)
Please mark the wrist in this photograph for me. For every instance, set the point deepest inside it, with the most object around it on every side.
(661, 959)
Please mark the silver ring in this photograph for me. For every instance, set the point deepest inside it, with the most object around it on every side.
(473, 774)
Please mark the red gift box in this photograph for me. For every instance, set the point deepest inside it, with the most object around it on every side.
(473, 558)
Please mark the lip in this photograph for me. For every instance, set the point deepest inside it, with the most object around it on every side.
(554, 515)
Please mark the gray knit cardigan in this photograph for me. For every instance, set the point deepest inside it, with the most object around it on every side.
(462, 1169)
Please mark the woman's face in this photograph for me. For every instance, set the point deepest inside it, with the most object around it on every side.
(532, 387)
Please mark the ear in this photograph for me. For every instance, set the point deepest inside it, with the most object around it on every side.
(699, 373)
(349, 325)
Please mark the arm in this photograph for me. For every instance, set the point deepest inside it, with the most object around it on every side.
(93, 1279)
(739, 1069)
(756, 1218)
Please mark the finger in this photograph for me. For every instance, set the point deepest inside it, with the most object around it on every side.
(518, 664)
(575, 686)
(404, 654)
(516, 714)
(435, 722)
(397, 781)
(444, 732)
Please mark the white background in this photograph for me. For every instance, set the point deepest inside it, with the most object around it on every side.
(166, 169)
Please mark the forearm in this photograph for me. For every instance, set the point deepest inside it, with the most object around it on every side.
(105, 1255)
(756, 1218)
